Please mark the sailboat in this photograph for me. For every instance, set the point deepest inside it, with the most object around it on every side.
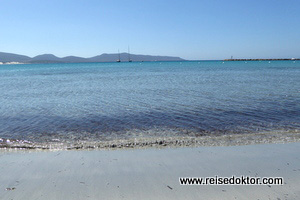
(119, 60)
(129, 60)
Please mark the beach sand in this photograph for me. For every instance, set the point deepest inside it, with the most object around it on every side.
(148, 173)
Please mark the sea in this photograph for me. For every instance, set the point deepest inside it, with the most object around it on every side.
(93, 102)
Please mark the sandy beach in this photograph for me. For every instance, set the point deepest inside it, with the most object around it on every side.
(148, 173)
(149, 100)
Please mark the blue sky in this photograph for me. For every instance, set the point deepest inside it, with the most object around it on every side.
(191, 29)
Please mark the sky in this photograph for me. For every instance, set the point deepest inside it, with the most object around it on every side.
(190, 29)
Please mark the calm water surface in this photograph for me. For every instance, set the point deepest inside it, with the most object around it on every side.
(106, 101)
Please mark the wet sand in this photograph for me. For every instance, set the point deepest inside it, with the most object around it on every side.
(148, 173)
(279, 136)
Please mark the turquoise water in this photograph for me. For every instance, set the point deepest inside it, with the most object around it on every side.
(107, 101)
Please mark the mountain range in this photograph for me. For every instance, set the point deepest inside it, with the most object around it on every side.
(50, 58)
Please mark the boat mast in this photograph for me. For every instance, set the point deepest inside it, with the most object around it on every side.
(129, 60)
(119, 60)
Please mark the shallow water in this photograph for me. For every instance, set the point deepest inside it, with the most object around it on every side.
(109, 101)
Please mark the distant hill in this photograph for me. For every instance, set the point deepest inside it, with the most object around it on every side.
(50, 58)
(10, 57)
(124, 57)
(73, 59)
(45, 57)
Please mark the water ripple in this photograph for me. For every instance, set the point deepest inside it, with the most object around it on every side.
(111, 101)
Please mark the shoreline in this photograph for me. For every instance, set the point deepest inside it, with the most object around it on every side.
(149, 173)
(159, 142)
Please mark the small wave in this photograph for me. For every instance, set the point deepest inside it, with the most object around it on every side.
(158, 142)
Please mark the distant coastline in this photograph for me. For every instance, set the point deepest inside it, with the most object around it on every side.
(263, 59)
(10, 63)
(10, 58)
